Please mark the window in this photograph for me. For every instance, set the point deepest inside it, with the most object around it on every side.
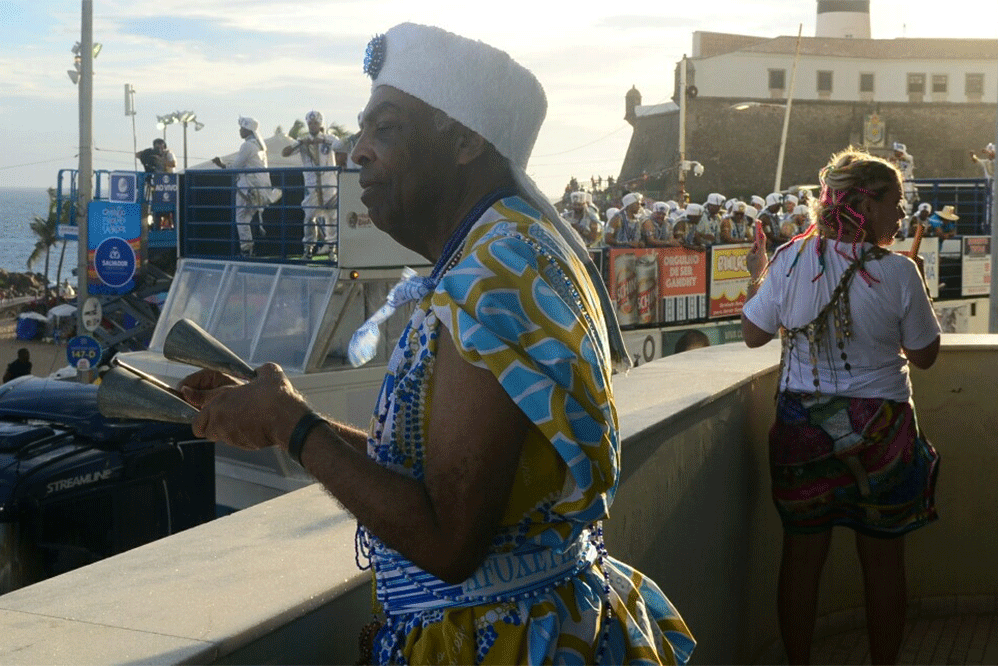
(777, 79)
(866, 83)
(824, 82)
(975, 84)
(916, 84)
(940, 83)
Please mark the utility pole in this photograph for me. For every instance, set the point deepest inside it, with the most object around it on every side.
(86, 170)
(786, 114)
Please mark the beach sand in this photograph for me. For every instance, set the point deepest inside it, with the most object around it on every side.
(46, 357)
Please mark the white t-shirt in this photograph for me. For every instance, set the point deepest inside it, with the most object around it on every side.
(889, 314)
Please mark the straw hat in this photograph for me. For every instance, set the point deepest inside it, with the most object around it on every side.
(947, 214)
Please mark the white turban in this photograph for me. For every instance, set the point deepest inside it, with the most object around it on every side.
(253, 126)
(488, 92)
(315, 116)
(630, 198)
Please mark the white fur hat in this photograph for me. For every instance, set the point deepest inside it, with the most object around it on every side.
(715, 199)
(694, 210)
(476, 84)
(611, 212)
(792, 199)
(773, 199)
(313, 116)
(660, 207)
(631, 197)
(756, 199)
(248, 123)
(751, 212)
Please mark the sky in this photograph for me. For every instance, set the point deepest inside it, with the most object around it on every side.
(276, 60)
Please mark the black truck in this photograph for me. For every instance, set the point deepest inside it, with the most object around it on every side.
(76, 487)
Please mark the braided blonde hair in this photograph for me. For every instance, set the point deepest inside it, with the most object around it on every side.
(850, 175)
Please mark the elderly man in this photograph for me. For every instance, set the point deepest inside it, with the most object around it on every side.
(318, 151)
(253, 190)
(624, 229)
(493, 453)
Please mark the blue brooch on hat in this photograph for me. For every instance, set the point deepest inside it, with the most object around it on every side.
(374, 58)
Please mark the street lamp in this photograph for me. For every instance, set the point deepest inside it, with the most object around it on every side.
(184, 118)
(74, 74)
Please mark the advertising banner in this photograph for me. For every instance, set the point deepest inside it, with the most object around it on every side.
(113, 239)
(728, 280)
(976, 266)
(658, 285)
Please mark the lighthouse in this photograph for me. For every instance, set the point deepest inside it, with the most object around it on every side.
(848, 19)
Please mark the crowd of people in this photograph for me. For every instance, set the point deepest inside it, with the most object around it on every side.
(640, 222)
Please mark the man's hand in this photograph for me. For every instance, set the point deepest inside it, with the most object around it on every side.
(250, 415)
(217, 161)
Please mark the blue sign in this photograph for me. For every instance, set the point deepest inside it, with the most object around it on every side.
(114, 261)
(113, 235)
(83, 352)
(123, 188)
(164, 190)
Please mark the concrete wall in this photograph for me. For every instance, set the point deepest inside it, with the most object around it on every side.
(277, 583)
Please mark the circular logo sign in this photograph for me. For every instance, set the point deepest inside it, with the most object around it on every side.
(83, 352)
(114, 261)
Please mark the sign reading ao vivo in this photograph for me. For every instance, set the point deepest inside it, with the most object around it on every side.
(113, 235)
(164, 190)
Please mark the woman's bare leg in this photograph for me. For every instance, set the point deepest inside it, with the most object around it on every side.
(886, 595)
(797, 595)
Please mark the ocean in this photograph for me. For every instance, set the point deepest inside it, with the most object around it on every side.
(18, 207)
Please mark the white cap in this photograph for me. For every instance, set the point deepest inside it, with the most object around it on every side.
(990, 147)
(900, 147)
(925, 206)
(588, 197)
(578, 197)
(751, 212)
(660, 207)
(791, 198)
(756, 199)
(630, 198)
(672, 205)
(611, 212)
(773, 198)
(715, 199)
(313, 116)
(476, 84)
(739, 206)
(694, 210)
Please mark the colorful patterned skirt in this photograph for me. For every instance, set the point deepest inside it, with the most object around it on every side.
(858, 462)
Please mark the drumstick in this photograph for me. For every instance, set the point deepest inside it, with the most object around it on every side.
(913, 252)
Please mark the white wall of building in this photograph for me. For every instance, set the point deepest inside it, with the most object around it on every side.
(747, 75)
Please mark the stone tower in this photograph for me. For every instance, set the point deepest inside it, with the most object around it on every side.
(843, 19)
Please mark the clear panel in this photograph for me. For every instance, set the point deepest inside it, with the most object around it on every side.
(295, 313)
(192, 296)
(262, 312)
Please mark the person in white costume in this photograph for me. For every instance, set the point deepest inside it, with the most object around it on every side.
(253, 188)
(317, 150)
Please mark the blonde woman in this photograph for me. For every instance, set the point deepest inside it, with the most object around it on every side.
(846, 448)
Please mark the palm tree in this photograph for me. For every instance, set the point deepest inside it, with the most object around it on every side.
(47, 231)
